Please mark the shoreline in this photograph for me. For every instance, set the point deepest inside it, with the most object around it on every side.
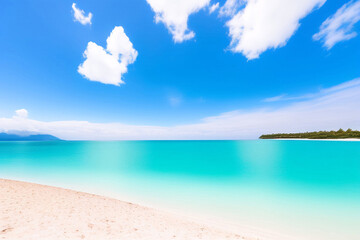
(28, 209)
(309, 139)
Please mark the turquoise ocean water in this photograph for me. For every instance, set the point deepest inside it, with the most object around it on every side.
(309, 190)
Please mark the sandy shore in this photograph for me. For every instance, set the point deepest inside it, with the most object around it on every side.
(32, 211)
(308, 139)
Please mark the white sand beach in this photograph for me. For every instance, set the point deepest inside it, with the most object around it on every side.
(308, 139)
(32, 211)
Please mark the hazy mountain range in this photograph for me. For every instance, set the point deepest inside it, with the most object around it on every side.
(31, 137)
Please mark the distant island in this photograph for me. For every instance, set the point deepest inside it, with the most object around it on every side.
(33, 137)
(340, 134)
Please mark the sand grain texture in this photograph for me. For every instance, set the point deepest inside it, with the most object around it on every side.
(31, 211)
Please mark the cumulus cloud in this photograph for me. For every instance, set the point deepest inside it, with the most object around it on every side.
(174, 14)
(79, 15)
(21, 113)
(334, 108)
(339, 27)
(213, 7)
(108, 65)
(260, 25)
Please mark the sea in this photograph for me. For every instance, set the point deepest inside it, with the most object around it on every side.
(301, 190)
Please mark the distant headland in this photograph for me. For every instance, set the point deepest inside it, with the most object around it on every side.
(340, 134)
(32, 137)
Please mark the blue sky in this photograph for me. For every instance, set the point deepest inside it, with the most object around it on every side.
(173, 80)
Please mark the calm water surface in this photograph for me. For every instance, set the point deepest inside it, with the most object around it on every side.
(307, 189)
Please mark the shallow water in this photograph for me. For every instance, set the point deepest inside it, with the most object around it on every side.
(305, 189)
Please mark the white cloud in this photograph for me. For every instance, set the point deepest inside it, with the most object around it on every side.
(321, 92)
(262, 24)
(108, 66)
(337, 108)
(339, 27)
(79, 15)
(213, 7)
(276, 98)
(21, 113)
(231, 7)
(175, 13)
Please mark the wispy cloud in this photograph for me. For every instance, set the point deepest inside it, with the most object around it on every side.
(213, 7)
(276, 98)
(231, 7)
(175, 100)
(340, 26)
(285, 97)
(108, 66)
(174, 14)
(79, 15)
(258, 25)
(321, 92)
(336, 107)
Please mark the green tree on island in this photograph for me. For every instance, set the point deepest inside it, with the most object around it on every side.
(340, 134)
